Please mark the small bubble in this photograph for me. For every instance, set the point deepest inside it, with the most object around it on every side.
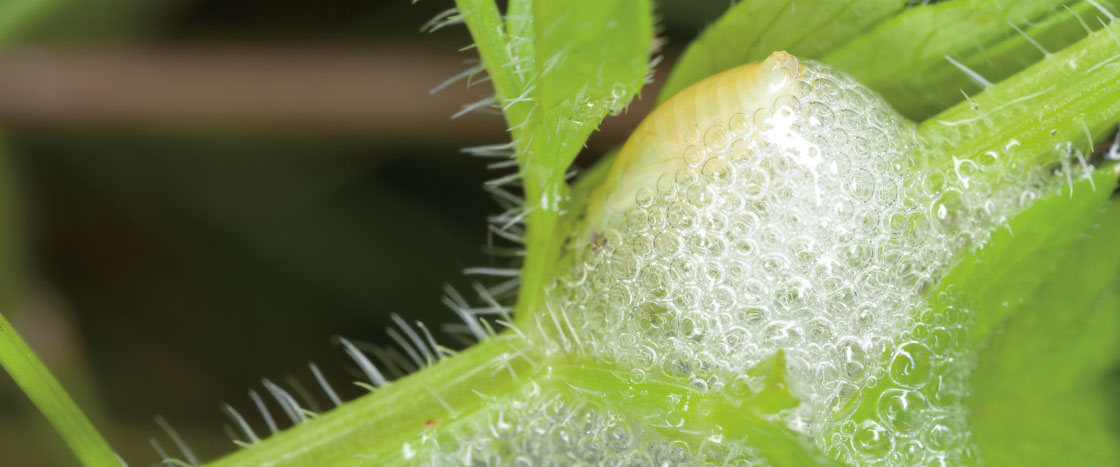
(820, 115)
(872, 441)
(694, 156)
(762, 119)
(912, 364)
(902, 410)
(988, 160)
(947, 210)
(827, 89)
(741, 150)
(685, 177)
(718, 172)
(757, 183)
(939, 436)
(717, 139)
(666, 186)
(786, 107)
(698, 195)
(692, 136)
(740, 124)
(643, 197)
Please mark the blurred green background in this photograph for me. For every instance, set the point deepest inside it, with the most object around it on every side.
(203, 192)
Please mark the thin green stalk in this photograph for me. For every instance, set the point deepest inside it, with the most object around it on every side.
(43, 390)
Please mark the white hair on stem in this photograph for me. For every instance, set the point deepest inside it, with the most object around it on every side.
(404, 344)
(263, 410)
(363, 362)
(312, 406)
(333, 396)
(972, 75)
(1036, 44)
(239, 420)
(286, 401)
(414, 338)
(185, 449)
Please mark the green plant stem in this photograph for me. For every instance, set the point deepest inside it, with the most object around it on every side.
(1029, 116)
(543, 244)
(485, 23)
(374, 429)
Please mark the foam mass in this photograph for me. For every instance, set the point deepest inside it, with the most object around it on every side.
(779, 206)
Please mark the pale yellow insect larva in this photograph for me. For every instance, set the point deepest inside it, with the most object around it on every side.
(725, 102)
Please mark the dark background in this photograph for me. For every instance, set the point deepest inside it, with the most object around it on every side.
(206, 191)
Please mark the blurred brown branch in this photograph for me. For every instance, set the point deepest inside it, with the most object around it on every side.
(380, 93)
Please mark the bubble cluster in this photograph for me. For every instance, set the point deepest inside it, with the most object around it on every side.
(916, 413)
(812, 225)
(547, 427)
(784, 208)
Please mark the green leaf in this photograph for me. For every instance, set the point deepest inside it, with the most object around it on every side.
(1039, 391)
(485, 24)
(752, 29)
(519, 30)
(997, 280)
(904, 58)
(752, 417)
(774, 396)
(749, 418)
(777, 444)
(590, 58)
(558, 69)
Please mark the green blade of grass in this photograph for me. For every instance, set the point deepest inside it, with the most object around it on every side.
(45, 392)
(17, 358)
